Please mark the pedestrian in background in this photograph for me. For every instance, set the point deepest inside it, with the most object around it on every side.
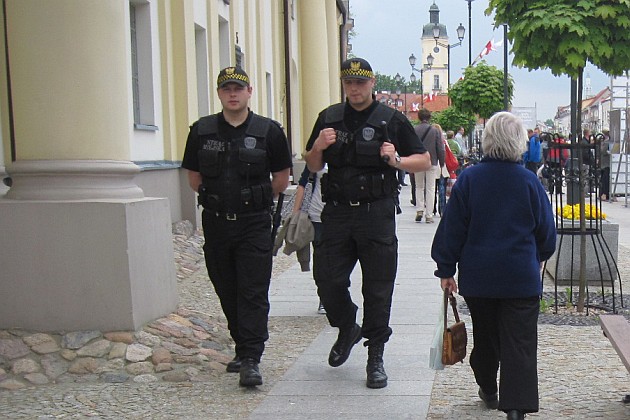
(238, 161)
(359, 218)
(461, 141)
(425, 181)
(533, 154)
(604, 165)
(496, 232)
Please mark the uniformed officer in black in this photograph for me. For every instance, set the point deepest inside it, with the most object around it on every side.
(238, 161)
(358, 220)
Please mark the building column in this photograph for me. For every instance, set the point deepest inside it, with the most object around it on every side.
(315, 63)
(83, 248)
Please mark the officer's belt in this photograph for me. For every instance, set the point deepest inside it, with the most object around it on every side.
(251, 202)
(357, 203)
(237, 216)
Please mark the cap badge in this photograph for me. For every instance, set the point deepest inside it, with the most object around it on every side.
(355, 65)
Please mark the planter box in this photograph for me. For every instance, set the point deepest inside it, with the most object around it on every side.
(606, 245)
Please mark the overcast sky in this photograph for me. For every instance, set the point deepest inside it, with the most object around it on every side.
(389, 31)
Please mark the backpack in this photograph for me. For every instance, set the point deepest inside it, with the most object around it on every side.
(449, 159)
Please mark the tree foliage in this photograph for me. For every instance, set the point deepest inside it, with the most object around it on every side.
(388, 83)
(563, 35)
(452, 119)
(480, 91)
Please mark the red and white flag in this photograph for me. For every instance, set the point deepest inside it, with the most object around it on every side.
(490, 46)
(428, 97)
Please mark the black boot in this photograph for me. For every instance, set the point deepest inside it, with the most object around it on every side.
(376, 376)
(249, 373)
(234, 365)
(346, 339)
(515, 415)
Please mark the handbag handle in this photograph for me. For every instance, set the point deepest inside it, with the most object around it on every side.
(448, 297)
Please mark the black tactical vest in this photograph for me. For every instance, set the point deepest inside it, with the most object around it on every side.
(356, 171)
(235, 172)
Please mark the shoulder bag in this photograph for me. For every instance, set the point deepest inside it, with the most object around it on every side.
(455, 337)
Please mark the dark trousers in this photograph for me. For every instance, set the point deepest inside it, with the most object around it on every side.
(317, 241)
(605, 180)
(238, 258)
(505, 333)
(532, 166)
(555, 179)
(364, 233)
(412, 179)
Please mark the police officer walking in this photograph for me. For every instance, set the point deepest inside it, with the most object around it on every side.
(229, 157)
(364, 143)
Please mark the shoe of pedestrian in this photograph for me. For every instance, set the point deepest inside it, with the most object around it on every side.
(234, 365)
(491, 400)
(428, 219)
(515, 415)
(320, 309)
(419, 215)
(376, 376)
(346, 339)
(249, 373)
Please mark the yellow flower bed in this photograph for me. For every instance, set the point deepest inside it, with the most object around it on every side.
(573, 212)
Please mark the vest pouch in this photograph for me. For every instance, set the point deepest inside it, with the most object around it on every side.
(333, 155)
(256, 197)
(206, 200)
(209, 163)
(330, 190)
(359, 188)
(368, 153)
(251, 162)
(378, 185)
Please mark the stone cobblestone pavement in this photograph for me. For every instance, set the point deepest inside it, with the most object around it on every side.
(196, 390)
(580, 374)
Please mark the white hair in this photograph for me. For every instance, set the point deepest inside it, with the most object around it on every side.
(504, 137)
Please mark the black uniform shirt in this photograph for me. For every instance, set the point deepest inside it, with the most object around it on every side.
(400, 130)
(277, 145)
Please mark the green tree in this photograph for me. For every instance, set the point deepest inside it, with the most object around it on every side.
(452, 119)
(480, 91)
(549, 123)
(562, 35)
(388, 83)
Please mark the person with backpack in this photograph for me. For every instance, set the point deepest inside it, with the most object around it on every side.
(431, 138)
(533, 155)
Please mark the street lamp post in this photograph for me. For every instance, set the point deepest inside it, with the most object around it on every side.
(505, 66)
(469, 32)
(398, 79)
(412, 78)
(436, 35)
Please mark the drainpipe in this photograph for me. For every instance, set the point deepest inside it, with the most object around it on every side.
(287, 74)
(9, 94)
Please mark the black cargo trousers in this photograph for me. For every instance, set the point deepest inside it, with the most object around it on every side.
(238, 258)
(364, 232)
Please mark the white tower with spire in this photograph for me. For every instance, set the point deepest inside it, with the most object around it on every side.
(588, 91)
(435, 79)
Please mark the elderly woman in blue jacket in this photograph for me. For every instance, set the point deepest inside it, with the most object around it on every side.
(497, 230)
